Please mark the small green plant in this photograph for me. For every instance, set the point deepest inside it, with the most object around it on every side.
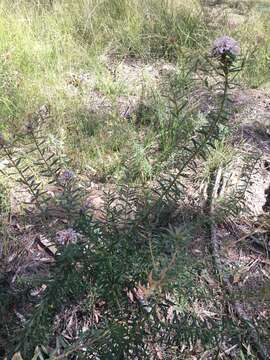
(40, 171)
(121, 284)
(124, 278)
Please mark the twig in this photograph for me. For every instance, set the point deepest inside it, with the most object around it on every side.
(44, 247)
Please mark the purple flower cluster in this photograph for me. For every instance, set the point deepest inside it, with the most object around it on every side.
(66, 176)
(66, 237)
(225, 45)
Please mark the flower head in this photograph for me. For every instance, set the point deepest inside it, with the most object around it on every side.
(67, 236)
(225, 46)
(66, 176)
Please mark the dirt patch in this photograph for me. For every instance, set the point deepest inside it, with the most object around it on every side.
(126, 87)
(253, 115)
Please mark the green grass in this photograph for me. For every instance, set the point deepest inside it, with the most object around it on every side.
(42, 44)
(45, 51)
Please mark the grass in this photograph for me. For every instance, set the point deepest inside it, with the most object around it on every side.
(43, 45)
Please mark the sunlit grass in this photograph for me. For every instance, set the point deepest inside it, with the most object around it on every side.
(42, 45)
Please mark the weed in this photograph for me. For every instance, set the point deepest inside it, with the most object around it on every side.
(120, 285)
